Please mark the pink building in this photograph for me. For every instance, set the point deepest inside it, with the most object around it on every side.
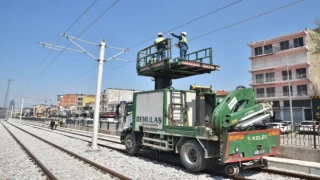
(270, 78)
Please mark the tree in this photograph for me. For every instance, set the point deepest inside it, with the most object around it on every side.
(315, 37)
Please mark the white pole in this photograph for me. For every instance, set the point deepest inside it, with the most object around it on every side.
(7, 114)
(21, 109)
(94, 145)
(11, 112)
(290, 100)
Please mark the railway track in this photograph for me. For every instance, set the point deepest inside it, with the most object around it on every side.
(147, 155)
(50, 175)
(33, 157)
(271, 171)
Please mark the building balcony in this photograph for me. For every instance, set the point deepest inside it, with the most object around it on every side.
(278, 50)
(280, 79)
(279, 64)
(284, 95)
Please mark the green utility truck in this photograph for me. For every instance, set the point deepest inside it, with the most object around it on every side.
(202, 126)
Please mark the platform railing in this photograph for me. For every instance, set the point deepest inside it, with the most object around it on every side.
(149, 54)
(201, 56)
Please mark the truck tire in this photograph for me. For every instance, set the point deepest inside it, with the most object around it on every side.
(192, 156)
(131, 146)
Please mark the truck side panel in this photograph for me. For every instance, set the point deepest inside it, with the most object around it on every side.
(148, 110)
(250, 145)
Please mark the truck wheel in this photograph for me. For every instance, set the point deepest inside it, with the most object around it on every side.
(131, 146)
(192, 156)
(232, 169)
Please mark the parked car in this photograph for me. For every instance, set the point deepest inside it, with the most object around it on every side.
(284, 127)
(295, 126)
(307, 126)
(275, 120)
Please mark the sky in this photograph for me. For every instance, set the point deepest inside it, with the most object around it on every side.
(37, 73)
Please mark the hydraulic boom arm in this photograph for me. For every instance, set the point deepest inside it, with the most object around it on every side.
(238, 111)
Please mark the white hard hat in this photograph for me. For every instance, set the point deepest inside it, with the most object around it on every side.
(184, 33)
(160, 34)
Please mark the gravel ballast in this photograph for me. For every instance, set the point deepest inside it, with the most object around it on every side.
(62, 165)
(146, 168)
(14, 162)
(133, 167)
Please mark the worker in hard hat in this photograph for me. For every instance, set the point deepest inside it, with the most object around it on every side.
(161, 45)
(182, 44)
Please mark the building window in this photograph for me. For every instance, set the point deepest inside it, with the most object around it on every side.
(301, 73)
(298, 42)
(302, 90)
(297, 103)
(268, 49)
(275, 104)
(284, 45)
(271, 92)
(260, 92)
(270, 77)
(285, 75)
(286, 90)
(259, 78)
(257, 51)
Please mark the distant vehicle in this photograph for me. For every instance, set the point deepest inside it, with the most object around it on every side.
(284, 127)
(275, 120)
(307, 126)
(108, 117)
(295, 126)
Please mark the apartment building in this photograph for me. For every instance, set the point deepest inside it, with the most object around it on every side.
(284, 60)
(82, 100)
(112, 96)
(74, 102)
(67, 101)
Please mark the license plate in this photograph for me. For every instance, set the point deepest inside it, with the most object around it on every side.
(258, 152)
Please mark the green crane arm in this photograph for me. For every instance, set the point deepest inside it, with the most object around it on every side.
(238, 110)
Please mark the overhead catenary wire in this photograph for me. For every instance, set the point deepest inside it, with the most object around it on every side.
(110, 7)
(181, 25)
(28, 81)
(225, 27)
(191, 21)
(245, 20)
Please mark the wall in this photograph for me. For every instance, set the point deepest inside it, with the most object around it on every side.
(87, 99)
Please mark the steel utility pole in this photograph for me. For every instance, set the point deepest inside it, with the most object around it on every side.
(21, 109)
(94, 144)
(101, 60)
(11, 112)
(290, 100)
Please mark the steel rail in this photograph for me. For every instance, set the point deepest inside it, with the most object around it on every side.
(65, 131)
(109, 171)
(271, 171)
(34, 158)
(174, 163)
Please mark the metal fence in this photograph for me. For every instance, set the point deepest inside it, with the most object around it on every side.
(304, 136)
(89, 123)
(103, 125)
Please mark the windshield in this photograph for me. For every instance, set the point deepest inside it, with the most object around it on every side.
(129, 107)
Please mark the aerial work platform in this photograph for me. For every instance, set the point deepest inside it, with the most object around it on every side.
(196, 63)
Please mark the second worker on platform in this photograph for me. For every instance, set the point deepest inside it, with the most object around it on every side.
(182, 44)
